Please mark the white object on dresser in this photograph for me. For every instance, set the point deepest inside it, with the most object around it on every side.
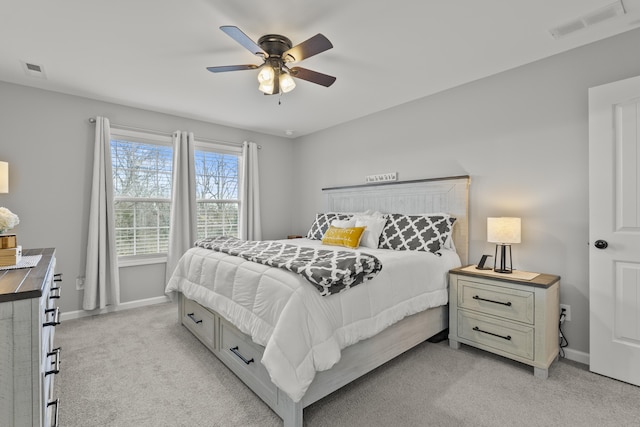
(28, 359)
(506, 315)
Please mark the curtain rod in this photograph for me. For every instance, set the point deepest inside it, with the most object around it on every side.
(92, 120)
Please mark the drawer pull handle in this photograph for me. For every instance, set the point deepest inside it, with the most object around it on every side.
(57, 277)
(192, 316)
(56, 370)
(56, 296)
(508, 337)
(55, 414)
(56, 316)
(508, 303)
(235, 351)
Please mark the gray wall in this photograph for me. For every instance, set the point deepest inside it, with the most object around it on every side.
(521, 135)
(48, 142)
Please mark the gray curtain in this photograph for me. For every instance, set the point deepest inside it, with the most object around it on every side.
(102, 281)
(183, 222)
(250, 228)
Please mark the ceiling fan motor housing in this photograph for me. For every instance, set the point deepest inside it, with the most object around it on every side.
(274, 44)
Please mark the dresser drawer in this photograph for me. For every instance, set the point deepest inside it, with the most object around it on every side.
(243, 357)
(200, 321)
(51, 413)
(512, 338)
(512, 304)
(47, 396)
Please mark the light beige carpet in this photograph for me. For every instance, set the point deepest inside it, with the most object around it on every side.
(142, 368)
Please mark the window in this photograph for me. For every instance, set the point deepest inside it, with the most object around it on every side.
(142, 180)
(217, 191)
(142, 192)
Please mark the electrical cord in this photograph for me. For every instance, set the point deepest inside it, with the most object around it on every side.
(563, 340)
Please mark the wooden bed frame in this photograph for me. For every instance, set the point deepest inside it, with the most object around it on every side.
(448, 195)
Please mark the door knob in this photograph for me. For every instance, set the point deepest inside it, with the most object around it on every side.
(601, 244)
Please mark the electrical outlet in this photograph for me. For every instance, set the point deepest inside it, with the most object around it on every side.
(567, 311)
(79, 283)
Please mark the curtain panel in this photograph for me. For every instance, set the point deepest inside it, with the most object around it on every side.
(250, 228)
(102, 280)
(183, 220)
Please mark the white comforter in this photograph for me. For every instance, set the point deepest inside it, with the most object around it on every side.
(303, 332)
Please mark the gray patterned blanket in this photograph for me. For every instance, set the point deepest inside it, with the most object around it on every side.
(329, 271)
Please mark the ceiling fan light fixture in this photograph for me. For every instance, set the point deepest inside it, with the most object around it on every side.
(276, 51)
(287, 84)
(266, 75)
(266, 88)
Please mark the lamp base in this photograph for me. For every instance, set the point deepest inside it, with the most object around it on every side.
(505, 266)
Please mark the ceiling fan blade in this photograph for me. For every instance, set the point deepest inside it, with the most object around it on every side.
(225, 68)
(237, 34)
(312, 76)
(307, 48)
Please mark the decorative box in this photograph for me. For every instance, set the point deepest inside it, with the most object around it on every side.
(10, 256)
(8, 241)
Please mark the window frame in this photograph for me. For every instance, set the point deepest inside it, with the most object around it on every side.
(145, 137)
(218, 148)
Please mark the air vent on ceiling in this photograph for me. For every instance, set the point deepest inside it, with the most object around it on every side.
(595, 17)
(33, 70)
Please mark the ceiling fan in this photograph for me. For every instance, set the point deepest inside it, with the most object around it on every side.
(277, 53)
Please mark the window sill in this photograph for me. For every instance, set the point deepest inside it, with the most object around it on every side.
(134, 261)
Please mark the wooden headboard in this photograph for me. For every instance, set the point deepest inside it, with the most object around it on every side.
(447, 195)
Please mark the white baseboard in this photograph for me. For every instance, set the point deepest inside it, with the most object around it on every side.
(123, 306)
(576, 356)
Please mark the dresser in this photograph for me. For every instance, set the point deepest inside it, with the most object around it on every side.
(29, 361)
(515, 317)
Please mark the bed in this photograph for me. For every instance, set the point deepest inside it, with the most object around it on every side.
(291, 345)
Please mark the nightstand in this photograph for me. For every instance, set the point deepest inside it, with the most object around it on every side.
(514, 315)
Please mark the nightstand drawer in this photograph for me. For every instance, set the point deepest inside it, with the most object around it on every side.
(512, 338)
(512, 304)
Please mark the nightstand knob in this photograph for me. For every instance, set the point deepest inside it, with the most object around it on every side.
(601, 244)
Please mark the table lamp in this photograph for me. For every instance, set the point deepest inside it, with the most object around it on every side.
(4, 177)
(503, 232)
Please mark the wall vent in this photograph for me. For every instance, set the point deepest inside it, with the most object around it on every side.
(605, 13)
(33, 70)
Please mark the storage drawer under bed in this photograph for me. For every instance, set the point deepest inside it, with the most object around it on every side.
(243, 357)
(200, 321)
(236, 350)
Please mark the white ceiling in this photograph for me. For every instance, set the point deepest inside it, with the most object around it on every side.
(153, 54)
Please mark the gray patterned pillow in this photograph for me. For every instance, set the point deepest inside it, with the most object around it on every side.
(322, 223)
(416, 232)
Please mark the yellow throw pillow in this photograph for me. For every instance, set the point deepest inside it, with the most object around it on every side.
(347, 237)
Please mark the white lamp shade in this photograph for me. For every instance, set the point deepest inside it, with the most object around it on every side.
(287, 84)
(4, 177)
(503, 230)
(266, 75)
(266, 88)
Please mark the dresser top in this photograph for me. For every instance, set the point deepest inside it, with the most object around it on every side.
(24, 283)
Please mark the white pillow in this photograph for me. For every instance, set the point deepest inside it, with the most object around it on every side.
(374, 226)
(343, 223)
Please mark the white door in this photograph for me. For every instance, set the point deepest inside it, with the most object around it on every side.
(614, 230)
